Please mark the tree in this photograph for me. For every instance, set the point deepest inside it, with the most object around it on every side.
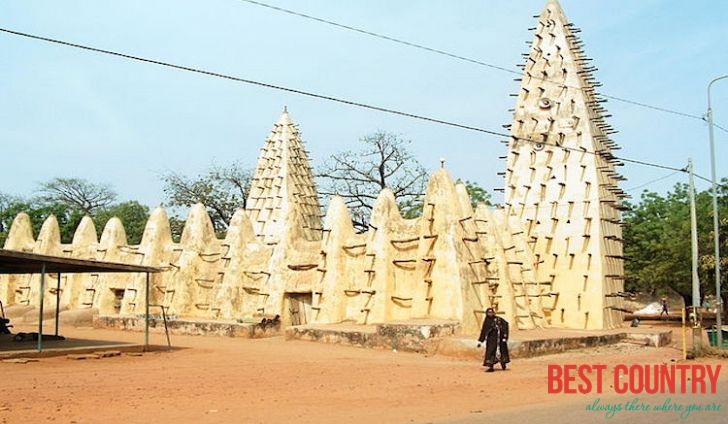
(707, 258)
(176, 226)
(413, 209)
(132, 214)
(477, 194)
(222, 189)
(69, 200)
(77, 193)
(5, 201)
(657, 242)
(68, 218)
(359, 177)
(8, 211)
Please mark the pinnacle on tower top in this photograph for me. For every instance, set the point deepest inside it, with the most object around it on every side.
(553, 2)
(285, 118)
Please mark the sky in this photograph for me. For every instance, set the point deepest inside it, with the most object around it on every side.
(66, 112)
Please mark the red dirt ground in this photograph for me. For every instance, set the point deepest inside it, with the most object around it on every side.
(225, 380)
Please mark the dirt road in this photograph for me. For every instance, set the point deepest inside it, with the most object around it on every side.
(225, 380)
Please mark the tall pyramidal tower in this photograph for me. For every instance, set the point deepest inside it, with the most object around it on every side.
(283, 194)
(561, 182)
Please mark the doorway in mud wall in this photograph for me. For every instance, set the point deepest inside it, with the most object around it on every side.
(297, 308)
(118, 299)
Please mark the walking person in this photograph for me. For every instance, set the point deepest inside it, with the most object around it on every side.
(664, 308)
(495, 335)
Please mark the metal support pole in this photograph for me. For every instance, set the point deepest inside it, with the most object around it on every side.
(58, 300)
(697, 336)
(40, 314)
(684, 343)
(146, 315)
(716, 222)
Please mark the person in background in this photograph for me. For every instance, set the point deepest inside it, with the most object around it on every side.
(495, 335)
(664, 308)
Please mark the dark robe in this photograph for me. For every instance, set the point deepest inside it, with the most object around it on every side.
(495, 335)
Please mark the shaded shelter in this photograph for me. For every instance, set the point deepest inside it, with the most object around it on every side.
(14, 262)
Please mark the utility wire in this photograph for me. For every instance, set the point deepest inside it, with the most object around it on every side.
(707, 180)
(462, 58)
(252, 82)
(452, 55)
(314, 95)
(654, 165)
(384, 37)
(645, 105)
(664, 177)
(705, 119)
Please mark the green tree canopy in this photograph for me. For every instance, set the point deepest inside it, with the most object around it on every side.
(132, 214)
(657, 242)
(222, 189)
(477, 194)
(68, 218)
(69, 200)
(413, 208)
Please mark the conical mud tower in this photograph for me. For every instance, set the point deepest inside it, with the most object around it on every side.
(561, 182)
(283, 187)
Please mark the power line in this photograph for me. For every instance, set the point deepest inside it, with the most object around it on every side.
(464, 58)
(645, 105)
(654, 165)
(314, 95)
(716, 125)
(384, 37)
(252, 82)
(664, 177)
(452, 55)
(565, 203)
(707, 180)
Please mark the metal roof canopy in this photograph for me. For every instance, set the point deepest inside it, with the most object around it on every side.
(15, 262)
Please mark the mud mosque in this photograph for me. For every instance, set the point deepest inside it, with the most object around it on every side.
(549, 257)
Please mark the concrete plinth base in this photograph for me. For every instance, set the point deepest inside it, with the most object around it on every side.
(189, 327)
(443, 338)
(411, 336)
(421, 336)
(651, 338)
(466, 348)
